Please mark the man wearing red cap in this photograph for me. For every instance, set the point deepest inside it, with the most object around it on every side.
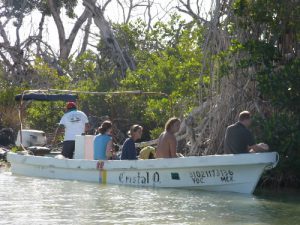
(74, 122)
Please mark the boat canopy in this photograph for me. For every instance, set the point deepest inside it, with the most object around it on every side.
(44, 95)
(47, 97)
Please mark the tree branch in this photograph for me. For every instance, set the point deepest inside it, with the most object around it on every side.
(105, 5)
(86, 37)
(69, 42)
(188, 10)
(109, 38)
(40, 34)
(59, 25)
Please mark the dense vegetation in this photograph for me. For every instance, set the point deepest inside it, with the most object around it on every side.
(264, 48)
(271, 32)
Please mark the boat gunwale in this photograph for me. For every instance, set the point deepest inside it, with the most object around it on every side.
(269, 159)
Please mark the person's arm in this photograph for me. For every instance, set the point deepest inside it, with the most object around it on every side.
(252, 147)
(258, 147)
(86, 128)
(173, 145)
(86, 122)
(109, 150)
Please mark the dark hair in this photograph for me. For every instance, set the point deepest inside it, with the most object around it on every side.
(245, 115)
(105, 126)
(134, 128)
(171, 122)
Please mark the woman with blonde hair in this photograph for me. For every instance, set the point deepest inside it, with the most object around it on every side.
(128, 150)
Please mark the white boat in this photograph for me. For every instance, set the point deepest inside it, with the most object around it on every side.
(232, 173)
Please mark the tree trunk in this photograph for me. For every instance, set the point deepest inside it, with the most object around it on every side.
(65, 44)
(120, 57)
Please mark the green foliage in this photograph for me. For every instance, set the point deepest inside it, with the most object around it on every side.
(172, 68)
(282, 86)
(282, 132)
(19, 7)
(271, 28)
(16, 149)
(8, 105)
(168, 59)
(44, 115)
(46, 76)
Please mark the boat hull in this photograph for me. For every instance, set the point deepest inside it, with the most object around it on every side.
(231, 173)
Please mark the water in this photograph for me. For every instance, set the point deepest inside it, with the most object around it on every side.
(25, 200)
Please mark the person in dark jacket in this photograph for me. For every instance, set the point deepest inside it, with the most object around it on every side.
(128, 150)
(238, 139)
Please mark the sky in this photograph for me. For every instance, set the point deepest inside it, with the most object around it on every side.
(113, 13)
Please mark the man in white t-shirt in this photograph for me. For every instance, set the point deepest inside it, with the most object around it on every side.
(74, 122)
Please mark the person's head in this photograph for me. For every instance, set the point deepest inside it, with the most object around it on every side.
(105, 128)
(245, 118)
(71, 106)
(172, 125)
(135, 132)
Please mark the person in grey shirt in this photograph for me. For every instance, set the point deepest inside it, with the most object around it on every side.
(238, 139)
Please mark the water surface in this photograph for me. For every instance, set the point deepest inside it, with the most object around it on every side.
(25, 200)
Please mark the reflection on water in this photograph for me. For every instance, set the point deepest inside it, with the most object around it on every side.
(25, 200)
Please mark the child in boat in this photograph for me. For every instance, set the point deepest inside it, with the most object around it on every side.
(128, 150)
(103, 146)
(167, 143)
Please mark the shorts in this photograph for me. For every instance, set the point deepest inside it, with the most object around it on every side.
(68, 149)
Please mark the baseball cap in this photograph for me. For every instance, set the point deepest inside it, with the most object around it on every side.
(71, 105)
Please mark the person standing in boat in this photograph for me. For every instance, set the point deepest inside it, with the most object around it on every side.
(238, 139)
(103, 146)
(167, 143)
(128, 150)
(74, 122)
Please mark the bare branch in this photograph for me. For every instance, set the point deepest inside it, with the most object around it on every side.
(3, 34)
(188, 10)
(148, 10)
(86, 37)
(40, 34)
(131, 6)
(59, 25)
(5, 60)
(66, 44)
(69, 42)
(109, 39)
(105, 5)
